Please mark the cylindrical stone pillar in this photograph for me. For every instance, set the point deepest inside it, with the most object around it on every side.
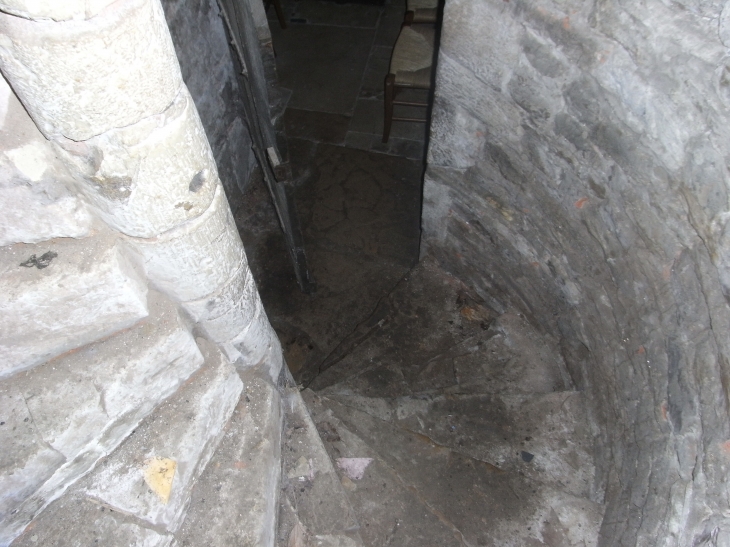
(101, 81)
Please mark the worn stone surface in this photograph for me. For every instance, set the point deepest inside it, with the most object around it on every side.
(149, 177)
(310, 485)
(126, 47)
(235, 501)
(186, 429)
(476, 502)
(58, 11)
(76, 521)
(498, 428)
(577, 173)
(360, 216)
(390, 512)
(35, 201)
(196, 259)
(61, 417)
(62, 294)
(227, 313)
(209, 72)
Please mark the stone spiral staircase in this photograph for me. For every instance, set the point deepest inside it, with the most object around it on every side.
(444, 423)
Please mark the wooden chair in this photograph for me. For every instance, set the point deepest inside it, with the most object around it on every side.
(410, 68)
(279, 11)
(421, 11)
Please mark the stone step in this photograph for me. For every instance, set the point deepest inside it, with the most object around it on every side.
(314, 507)
(544, 437)
(59, 418)
(62, 294)
(75, 520)
(433, 333)
(428, 313)
(235, 501)
(480, 503)
(174, 444)
(390, 512)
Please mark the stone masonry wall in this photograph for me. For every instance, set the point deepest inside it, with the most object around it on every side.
(119, 258)
(578, 170)
(208, 70)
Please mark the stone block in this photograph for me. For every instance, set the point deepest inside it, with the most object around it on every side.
(235, 502)
(256, 345)
(187, 430)
(78, 79)
(74, 521)
(229, 312)
(81, 406)
(63, 294)
(310, 482)
(24, 218)
(149, 177)
(50, 9)
(35, 203)
(197, 258)
(26, 460)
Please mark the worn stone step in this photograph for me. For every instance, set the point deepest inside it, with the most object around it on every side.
(427, 313)
(545, 437)
(314, 508)
(62, 294)
(177, 441)
(74, 520)
(433, 332)
(482, 503)
(389, 511)
(235, 500)
(61, 417)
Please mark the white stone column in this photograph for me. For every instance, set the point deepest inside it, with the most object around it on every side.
(102, 82)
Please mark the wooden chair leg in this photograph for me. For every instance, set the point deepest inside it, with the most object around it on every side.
(388, 103)
(279, 13)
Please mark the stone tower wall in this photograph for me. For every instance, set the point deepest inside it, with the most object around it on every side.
(578, 171)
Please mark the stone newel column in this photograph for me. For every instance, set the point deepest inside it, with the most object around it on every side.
(102, 82)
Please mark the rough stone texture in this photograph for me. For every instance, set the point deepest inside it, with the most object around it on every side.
(257, 345)
(236, 499)
(126, 47)
(227, 313)
(62, 294)
(105, 87)
(35, 202)
(197, 258)
(577, 171)
(50, 9)
(314, 504)
(76, 521)
(147, 178)
(209, 71)
(61, 417)
(186, 429)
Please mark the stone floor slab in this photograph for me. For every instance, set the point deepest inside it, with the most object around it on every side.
(322, 65)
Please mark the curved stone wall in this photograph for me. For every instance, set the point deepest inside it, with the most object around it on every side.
(578, 170)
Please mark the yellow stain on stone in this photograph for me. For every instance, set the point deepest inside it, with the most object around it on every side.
(158, 474)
